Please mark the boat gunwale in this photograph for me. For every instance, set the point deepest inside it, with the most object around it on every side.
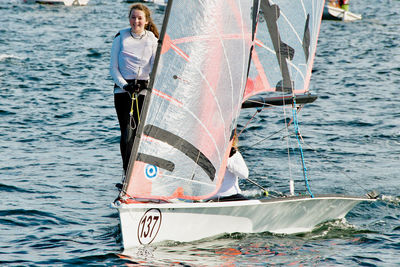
(250, 202)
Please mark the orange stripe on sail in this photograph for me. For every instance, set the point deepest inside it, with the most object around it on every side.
(167, 97)
(180, 52)
(169, 44)
(141, 186)
(166, 44)
(189, 39)
(259, 43)
(173, 44)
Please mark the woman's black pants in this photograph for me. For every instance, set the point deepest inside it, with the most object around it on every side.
(128, 126)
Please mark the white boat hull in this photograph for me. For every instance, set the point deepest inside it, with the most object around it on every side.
(144, 224)
(335, 13)
(60, 2)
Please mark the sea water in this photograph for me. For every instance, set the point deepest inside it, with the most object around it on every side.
(59, 140)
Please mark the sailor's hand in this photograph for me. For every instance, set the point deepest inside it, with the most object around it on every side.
(130, 88)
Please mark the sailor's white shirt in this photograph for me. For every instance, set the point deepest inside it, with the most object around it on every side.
(235, 168)
(132, 57)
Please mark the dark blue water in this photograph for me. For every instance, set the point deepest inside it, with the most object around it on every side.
(59, 156)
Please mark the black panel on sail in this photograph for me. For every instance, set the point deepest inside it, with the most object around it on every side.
(283, 51)
(306, 38)
(182, 145)
(159, 162)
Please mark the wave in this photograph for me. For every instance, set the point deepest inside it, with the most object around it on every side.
(4, 57)
(11, 188)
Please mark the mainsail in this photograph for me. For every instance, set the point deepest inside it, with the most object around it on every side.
(285, 47)
(198, 85)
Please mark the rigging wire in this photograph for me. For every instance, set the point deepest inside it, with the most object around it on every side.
(340, 169)
(296, 129)
(269, 136)
(288, 140)
(262, 140)
(257, 111)
(252, 117)
(266, 191)
(293, 120)
(304, 143)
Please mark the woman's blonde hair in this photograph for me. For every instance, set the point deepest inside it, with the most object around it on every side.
(151, 26)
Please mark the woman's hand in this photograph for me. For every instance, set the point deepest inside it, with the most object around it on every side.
(131, 88)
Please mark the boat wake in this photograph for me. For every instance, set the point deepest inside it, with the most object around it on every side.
(237, 246)
(341, 229)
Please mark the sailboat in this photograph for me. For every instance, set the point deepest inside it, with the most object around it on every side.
(161, 3)
(214, 58)
(333, 11)
(59, 2)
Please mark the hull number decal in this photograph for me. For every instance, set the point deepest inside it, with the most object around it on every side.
(148, 226)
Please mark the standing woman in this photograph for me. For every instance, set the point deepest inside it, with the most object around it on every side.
(132, 56)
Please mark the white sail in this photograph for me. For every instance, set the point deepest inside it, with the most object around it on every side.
(196, 96)
(286, 42)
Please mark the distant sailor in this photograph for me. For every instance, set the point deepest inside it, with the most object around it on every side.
(344, 4)
(236, 168)
(132, 57)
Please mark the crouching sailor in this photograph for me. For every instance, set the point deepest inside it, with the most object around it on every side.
(236, 168)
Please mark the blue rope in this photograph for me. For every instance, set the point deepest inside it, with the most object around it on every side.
(296, 129)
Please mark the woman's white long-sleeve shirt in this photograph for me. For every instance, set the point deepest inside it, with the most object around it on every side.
(235, 168)
(132, 57)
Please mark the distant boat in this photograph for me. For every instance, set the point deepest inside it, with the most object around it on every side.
(161, 3)
(59, 2)
(205, 72)
(334, 12)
